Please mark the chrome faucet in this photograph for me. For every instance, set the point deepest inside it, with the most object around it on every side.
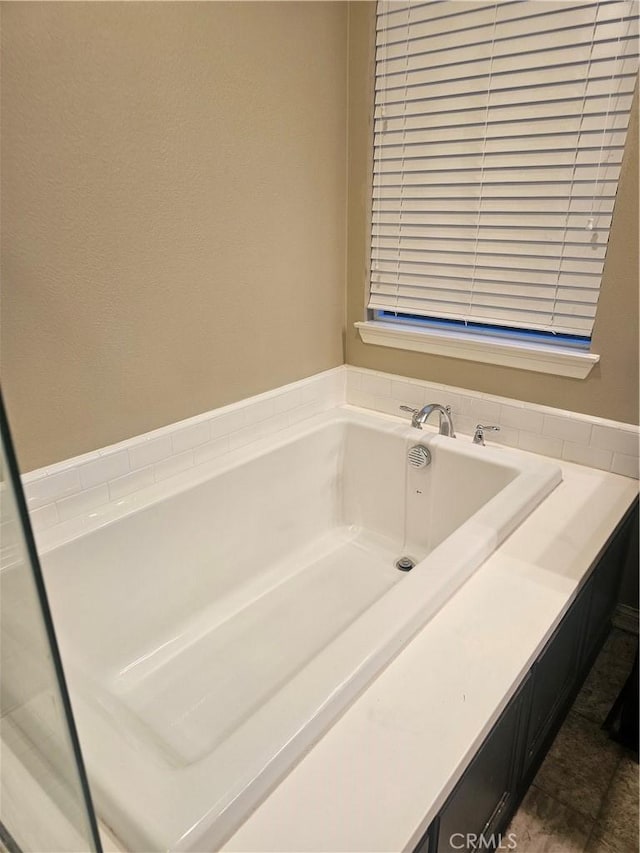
(419, 417)
(478, 436)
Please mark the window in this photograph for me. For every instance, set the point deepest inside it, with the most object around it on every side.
(498, 137)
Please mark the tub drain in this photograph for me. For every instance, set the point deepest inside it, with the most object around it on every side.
(405, 564)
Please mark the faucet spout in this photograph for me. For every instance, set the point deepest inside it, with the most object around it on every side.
(420, 416)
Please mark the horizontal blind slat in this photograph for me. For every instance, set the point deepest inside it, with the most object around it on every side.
(441, 116)
(514, 205)
(497, 176)
(568, 141)
(466, 254)
(501, 130)
(475, 161)
(414, 276)
(491, 219)
(537, 298)
(578, 236)
(560, 92)
(438, 193)
(510, 254)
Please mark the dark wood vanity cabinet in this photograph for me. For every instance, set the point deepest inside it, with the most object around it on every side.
(552, 680)
(604, 583)
(491, 788)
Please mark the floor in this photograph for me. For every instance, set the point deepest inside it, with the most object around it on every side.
(584, 798)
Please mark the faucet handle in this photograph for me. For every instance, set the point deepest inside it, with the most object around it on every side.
(415, 416)
(478, 436)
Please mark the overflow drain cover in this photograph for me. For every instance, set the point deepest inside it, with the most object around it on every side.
(405, 564)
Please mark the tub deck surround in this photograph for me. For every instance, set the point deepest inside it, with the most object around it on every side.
(214, 633)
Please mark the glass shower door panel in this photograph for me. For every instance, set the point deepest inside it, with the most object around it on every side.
(44, 797)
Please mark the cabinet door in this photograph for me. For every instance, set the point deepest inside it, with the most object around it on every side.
(485, 790)
(553, 676)
(605, 582)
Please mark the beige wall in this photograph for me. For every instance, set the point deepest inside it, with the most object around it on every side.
(173, 211)
(611, 389)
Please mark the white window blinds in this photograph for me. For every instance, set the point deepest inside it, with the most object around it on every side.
(498, 137)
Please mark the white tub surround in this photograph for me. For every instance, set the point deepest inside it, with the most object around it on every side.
(215, 627)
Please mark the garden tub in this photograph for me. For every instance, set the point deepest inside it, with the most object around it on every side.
(213, 626)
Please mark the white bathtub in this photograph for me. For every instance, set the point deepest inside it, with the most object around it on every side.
(213, 627)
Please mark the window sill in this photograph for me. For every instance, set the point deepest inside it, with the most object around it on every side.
(481, 348)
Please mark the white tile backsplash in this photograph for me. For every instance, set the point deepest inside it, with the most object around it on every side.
(131, 482)
(78, 486)
(286, 402)
(625, 465)
(379, 386)
(150, 450)
(446, 398)
(584, 454)
(191, 436)
(211, 450)
(505, 435)
(52, 487)
(463, 424)
(175, 464)
(103, 469)
(407, 394)
(519, 417)
(568, 429)
(535, 442)
(227, 423)
(484, 411)
(259, 412)
(619, 440)
(586, 440)
(390, 407)
(364, 400)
